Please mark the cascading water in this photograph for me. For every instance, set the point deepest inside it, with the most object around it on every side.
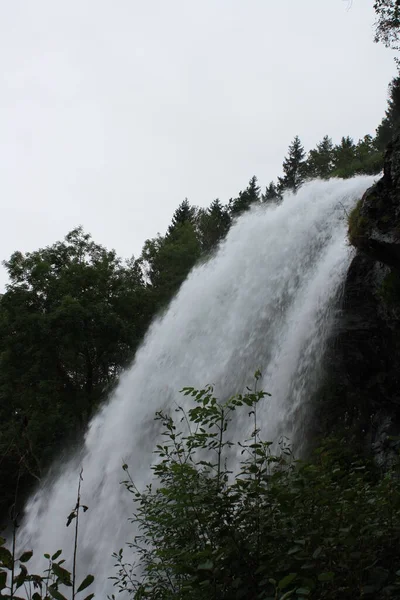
(266, 300)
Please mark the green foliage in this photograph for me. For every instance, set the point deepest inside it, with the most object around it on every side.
(213, 225)
(357, 224)
(56, 582)
(351, 159)
(387, 27)
(344, 155)
(270, 528)
(294, 167)
(271, 195)
(167, 261)
(185, 213)
(326, 160)
(70, 320)
(250, 196)
(320, 160)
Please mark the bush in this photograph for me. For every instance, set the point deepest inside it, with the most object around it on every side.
(274, 528)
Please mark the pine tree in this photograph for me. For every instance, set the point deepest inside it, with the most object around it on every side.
(271, 195)
(185, 213)
(213, 225)
(365, 149)
(251, 195)
(253, 190)
(293, 167)
(368, 159)
(344, 155)
(220, 215)
(320, 159)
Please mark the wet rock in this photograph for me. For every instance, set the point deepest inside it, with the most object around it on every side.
(360, 394)
(374, 225)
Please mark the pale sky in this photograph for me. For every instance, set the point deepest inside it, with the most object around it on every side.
(112, 112)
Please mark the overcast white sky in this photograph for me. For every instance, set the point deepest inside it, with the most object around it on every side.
(111, 113)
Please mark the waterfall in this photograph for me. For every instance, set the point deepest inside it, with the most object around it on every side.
(266, 300)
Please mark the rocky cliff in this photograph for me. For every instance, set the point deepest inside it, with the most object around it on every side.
(361, 392)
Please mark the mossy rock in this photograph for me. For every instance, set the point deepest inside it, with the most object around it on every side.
(358, 225)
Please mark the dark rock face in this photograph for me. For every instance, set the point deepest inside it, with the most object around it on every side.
(374, 226)
(360, 396)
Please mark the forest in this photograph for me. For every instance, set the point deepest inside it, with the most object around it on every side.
(71, 319)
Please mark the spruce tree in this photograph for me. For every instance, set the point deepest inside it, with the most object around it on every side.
(271, 195)
(320, 160)
(185, 213)
(369, 159)
(365, 148)
(251, 195)
(293, 168)
(213, 225)
(344, 155)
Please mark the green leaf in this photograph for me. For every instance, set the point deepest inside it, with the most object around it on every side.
(317, 552)
(286, 581)
(85, 583)
(71, 517)
(56, 594)
(303, 591)
(20, 579)
(56, 555)
(26, 556)
(89, 597)
(5, 558)
(3, 580)
(63, 575)
(47, 556)
(328, 576)
(2, 541)
(287, 595)
(206, 566)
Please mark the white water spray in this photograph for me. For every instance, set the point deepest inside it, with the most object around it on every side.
(266, 300)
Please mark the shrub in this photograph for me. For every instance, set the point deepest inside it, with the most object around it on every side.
(272, 528)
